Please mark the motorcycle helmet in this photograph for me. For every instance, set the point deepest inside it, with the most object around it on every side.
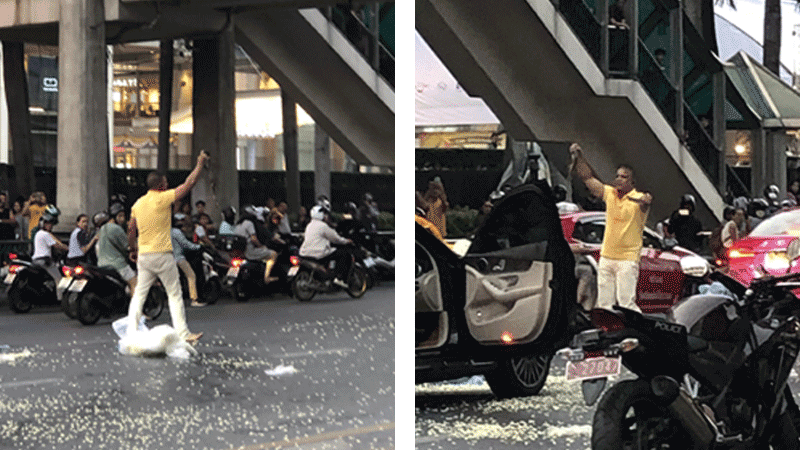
(324, 202)
(100, 219)
(250, 210)
(367, 197)
(229, 214)
(772, 192)
(741, 203)
(50, 214)
(788, 203)
(688, 200)
(115, 209)
(758, 208)
(560, 193)
(351, 208)
(318, 213)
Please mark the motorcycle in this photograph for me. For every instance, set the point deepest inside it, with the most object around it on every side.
(376, 257)
(309, 277)
(96, 292)
(30, 284)
(712, 373)
(245, 277)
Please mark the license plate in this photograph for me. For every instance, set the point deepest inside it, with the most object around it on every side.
(593, 368)
(64, 283)
(10, 278)
(369, 262)
(78, 285)
(233, 272)
(293, 270)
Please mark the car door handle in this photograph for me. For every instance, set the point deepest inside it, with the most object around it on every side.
(502, 295)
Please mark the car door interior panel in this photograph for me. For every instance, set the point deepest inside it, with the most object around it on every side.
(507, 306)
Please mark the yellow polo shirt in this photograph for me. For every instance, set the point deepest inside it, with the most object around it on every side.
(153, 214)
(37, 211)
(625, 220)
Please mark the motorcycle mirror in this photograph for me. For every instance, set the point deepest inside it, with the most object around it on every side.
(694, 266)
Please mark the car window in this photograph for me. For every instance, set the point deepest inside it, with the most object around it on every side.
(525, 216)
(589, 232)
(783, 223)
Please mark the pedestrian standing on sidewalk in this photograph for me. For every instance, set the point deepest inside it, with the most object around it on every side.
(626, 213)
(151, 217)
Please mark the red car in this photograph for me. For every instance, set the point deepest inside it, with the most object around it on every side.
(765, 248)
(661, 281)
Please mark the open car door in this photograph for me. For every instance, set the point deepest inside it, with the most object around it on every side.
(520, 283)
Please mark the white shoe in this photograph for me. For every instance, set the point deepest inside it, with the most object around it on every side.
(340, 283)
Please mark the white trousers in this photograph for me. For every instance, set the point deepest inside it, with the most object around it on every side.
(616, 283)
(162, 266)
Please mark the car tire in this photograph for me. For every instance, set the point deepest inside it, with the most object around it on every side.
(519, 376)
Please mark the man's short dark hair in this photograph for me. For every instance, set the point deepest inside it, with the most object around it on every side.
(628, 168)
(199, 202)
(154, 179)
(81, 216)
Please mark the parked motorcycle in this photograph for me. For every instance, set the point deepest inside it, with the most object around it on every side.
(310, 277)
(96, 292)
(712, 373)
(30, 284)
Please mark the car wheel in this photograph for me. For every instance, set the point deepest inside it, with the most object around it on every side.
(89, 308)
(519, 376)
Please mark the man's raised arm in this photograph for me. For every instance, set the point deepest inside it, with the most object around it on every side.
(182, 190)
(584, 171)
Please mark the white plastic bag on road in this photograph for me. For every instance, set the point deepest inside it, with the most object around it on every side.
(161, 340)
(281, 370)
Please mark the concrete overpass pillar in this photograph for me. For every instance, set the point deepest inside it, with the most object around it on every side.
(290, 151)
(214, 115)
(83, 162)
(322, 163)
(16, 88)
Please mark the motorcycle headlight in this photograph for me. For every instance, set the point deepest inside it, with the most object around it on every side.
(777, 261)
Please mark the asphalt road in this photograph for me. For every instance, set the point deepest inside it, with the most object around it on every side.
(468, 416)
(65, 386)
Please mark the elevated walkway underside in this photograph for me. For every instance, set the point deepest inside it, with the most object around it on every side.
(306, 54)
(542, 84)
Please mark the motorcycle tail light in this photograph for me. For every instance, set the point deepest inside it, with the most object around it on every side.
(236, 262)
(78, 270)
(294, 260)
(14, 269)
(507, 337)
(12, 256)
(66, 271)
(606, 320)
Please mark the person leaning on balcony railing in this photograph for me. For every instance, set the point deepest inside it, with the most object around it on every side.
(616, 14)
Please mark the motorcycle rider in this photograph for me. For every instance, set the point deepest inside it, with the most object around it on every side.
(112, 244)
(368, 213)
(80, 242)
(255, 249)
(317, 245)
(684, 225)
(44, 241)
(228, 221)
(179, 244)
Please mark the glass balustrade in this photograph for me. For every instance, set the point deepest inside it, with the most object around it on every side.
(375, 45)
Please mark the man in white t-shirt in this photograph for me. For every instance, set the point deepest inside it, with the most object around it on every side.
(43, 243)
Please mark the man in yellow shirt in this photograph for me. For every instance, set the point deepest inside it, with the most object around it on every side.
(33, 209)
(151, 216)
(626, 213)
